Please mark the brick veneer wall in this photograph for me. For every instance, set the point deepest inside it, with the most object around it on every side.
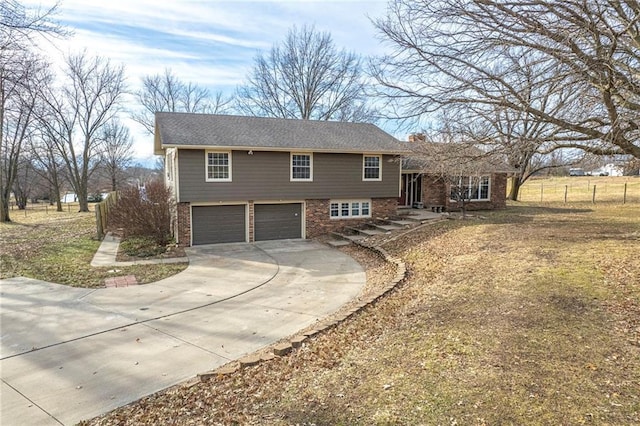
(319, 223)
(252, 216)
(435, 191)
(182, 233)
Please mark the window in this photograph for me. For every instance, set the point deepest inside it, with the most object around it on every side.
(349, 209)
(472, 188)
(301, 167)
(371, 167)
(218, 166)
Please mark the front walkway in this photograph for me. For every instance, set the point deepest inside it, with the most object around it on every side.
(106, 255)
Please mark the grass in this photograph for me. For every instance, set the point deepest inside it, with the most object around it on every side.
(59, 246)
(580, 189)
(530, 315)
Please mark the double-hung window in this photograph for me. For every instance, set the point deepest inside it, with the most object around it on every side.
(301, 167)
(349, 209)
(472, 188)
(218, 166)
(371, 167)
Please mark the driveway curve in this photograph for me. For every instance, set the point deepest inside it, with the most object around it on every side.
(69, 354)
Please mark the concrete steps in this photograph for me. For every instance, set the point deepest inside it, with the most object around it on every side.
(403, 222)
(369, 232)
(387, 228)
(338, 243)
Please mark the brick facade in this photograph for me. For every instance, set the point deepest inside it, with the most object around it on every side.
(319, 223)
(317, 218)
(182, 230)
(435, 192)
(252, 212)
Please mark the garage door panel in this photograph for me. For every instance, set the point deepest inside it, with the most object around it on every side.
(277, 221)
(218, 224)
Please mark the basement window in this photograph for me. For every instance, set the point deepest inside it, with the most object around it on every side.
(349, 209)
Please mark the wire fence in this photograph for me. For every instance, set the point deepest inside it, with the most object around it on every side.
(619, 190)
(41, 207)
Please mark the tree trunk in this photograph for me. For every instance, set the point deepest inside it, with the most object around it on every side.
(113, 182)
(82, 201)
(4, 208)
(21, 199)
(514, 192)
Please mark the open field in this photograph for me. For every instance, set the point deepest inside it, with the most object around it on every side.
(580, 189)
(59, 246)
(530, 315)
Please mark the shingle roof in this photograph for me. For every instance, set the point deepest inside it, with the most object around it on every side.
(430, 157)
(230, 131)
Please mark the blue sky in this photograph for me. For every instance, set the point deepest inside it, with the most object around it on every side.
(208, 42)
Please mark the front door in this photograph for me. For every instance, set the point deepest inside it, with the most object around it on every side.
(411, 190)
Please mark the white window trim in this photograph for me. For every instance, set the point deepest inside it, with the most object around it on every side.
(169, 165)
(291, 178)
(350, 215)
(472, 200)
(206, 166)
(379, 178)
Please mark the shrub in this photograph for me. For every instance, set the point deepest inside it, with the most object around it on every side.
(141, 247)
(144, 212)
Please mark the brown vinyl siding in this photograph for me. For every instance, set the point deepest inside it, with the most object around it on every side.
(266, 176)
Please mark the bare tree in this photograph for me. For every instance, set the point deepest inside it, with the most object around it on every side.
(24, 182)
(456, 52)
(48, 162)
(89, 98)
(19, 24)
(306, 77)
(20, 75)
(167, 93)
(117, 151)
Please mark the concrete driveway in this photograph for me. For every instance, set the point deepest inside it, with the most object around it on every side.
(69, 354)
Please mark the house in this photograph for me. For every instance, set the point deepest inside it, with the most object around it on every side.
(246, 179)
(435, 174)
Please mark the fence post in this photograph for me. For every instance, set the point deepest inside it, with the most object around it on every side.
(566, 189)
(593, 198)
(541, 191)
(100, 228)
(624, 196)
(102, 212)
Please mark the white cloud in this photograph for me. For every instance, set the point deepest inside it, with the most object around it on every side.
(208, 42)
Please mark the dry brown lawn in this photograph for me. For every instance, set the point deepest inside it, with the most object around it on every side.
(529, 315)
(58, 247)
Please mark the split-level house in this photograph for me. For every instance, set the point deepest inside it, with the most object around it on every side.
(246, 179)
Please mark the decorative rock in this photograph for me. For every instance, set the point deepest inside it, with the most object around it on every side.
(297, 341)
(227, 369)
(188, 384)
(267, 356)
(282, 349)
(311, 333)
(249, 361)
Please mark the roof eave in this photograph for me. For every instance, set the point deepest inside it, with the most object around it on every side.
(281, 149)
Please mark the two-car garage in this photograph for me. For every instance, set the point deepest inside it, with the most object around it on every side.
(230, 223)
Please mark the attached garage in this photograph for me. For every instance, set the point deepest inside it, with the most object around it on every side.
(218, 224)
(277, 221)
